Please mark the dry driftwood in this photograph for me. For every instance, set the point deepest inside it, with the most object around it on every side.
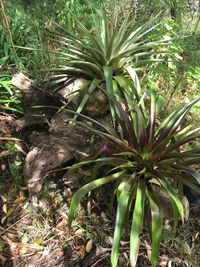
(50, 151)
(64, 141)
(35, 96)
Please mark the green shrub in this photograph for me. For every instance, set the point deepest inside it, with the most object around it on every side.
(24, 28)
(8, 95)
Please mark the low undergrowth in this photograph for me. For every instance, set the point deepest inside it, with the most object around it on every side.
(42, 238)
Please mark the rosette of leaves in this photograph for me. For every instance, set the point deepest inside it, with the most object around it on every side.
(146, 155)
(89, 52)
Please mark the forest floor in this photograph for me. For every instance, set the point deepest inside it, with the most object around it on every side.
(34, 237)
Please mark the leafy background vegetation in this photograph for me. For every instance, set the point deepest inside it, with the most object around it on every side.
(79, 38)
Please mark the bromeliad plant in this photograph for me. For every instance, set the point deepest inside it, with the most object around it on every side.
(89, 53)
(146, 155)
(105, 45)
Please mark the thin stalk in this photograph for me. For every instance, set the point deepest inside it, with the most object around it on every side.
(6, 28)
(173, 92)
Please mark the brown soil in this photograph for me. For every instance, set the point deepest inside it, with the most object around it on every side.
(5, 120)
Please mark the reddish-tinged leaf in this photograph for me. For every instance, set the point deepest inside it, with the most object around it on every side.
(152, 115)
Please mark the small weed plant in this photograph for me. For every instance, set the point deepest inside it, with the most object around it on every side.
(9, 100)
